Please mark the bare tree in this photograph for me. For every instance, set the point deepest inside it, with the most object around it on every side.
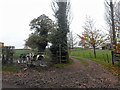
(112, 16)
(71, 40)
(55, 7)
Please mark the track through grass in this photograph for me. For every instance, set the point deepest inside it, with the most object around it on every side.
(85, 63)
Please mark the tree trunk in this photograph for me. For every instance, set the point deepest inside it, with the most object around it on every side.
(94, 51)
(113, 24)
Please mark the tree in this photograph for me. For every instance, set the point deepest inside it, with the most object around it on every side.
(71, 40)
(91, 37)
(59, 39)
(112, 16)
(113, 19)
(32, 41)
(109, 17)
(42, 26)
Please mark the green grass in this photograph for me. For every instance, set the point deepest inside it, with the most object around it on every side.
(101, 55)
(64, 64)
(48, 57)
(18, 52)
(10, 68)
(85, 63)
(38, 67)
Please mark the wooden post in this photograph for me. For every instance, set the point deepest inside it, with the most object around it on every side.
(90, 54)
(60, 52)
(107, 58)
(104, 58)
(112, 57)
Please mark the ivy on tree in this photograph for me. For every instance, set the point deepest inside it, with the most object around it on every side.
(59, 46)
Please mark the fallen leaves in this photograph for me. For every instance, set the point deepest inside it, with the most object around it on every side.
(113, 69)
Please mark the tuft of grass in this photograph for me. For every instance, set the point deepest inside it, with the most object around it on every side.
(64, 64)
(10, 68)
(85, 63)
(48, 57)
(38, 67)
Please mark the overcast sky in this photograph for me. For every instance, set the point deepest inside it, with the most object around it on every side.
(15, 16)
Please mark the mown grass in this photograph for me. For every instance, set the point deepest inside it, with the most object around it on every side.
(7, 68)
(64, 64)
(18, 52)
(85, 63)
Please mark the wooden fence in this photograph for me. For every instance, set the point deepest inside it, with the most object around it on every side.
(7, 54)
(115, 57)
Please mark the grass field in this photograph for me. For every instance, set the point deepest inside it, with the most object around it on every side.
(101, 55)
(18, 52)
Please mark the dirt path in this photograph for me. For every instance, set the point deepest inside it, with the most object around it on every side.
(8, 85)
(73, 76)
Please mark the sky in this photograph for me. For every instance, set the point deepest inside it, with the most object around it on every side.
(15, 16)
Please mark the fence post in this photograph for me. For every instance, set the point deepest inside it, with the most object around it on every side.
(104, 58)
(90, 54)
(112, 57)
(107, 58)
(60, 52)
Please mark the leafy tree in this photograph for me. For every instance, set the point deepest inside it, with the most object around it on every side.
(59, 39)
(42, 26)
(92, 37)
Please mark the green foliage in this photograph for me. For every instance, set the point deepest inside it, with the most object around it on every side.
(10, 68)
(47, 56)
(42, 26)
(59, 35)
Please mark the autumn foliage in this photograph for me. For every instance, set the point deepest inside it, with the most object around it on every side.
(91, 37)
